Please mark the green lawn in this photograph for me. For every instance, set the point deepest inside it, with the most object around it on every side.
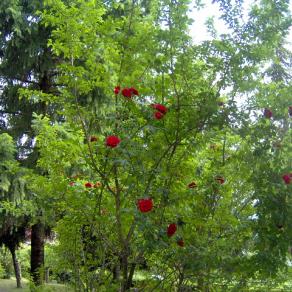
(10, 285)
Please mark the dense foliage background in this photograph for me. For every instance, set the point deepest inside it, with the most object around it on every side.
(142, 159)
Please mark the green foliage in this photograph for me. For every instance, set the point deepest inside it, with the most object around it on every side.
(232, 231)
(5, 263)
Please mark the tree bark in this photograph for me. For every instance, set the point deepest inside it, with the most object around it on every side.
(38, 230)
(130, 276)
(37, 253)
(124, 272)
(16, 266)
(47, 275)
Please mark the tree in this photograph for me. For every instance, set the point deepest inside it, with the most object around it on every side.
(149, 177)
(26, 62)
(15, 210)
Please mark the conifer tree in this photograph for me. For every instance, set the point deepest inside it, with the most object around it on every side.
(26, 62)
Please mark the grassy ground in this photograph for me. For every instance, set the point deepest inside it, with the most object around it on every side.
(10, 286)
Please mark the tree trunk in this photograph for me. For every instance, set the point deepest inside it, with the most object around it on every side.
(47, 275)
(116, 272)
(38, 230)
(37, 252)
(130, 277)
(124, 272)
(16, 266)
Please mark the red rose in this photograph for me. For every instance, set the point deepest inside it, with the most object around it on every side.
(171, 229)
(180, 242)
(268, 113)
(93, 138)
(129, 92)
(161, 108)
(290, 111)
(220, 180)
(192, 185)
(145, 205)
(117, 90)
(158, 115)
(287, 178)
(88, 185)
(126, 92)
(112, 141)
(134, 91)
(71, 183)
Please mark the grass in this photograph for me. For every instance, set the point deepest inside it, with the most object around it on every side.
(10, 286)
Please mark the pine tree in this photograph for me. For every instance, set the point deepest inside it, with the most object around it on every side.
(26, 63)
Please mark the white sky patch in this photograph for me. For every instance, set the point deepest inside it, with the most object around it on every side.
(198, 29)
(199, 32)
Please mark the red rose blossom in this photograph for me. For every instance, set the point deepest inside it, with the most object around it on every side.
(126, 92)
(117, 90)
(220, 179)
(287, 178)
(290, 111)
(129, 92)
(88, 185)
(161, 108)
(93, 138)
(71, 183)
(145, 205)
(171, 229)
(268, 113)
(112, 141)
(158, 115)
(192, 185)
(134, 91)
(180, 242)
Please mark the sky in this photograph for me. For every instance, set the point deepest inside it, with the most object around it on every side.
(198, 30)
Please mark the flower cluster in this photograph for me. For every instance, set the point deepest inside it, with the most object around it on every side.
(112, 141)
(268, 113)
(287, 178)
(171, 229)
(88, 185)
(160, 112)
(117, 90)
(127, 92)
(145, 205)
(92, 185)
